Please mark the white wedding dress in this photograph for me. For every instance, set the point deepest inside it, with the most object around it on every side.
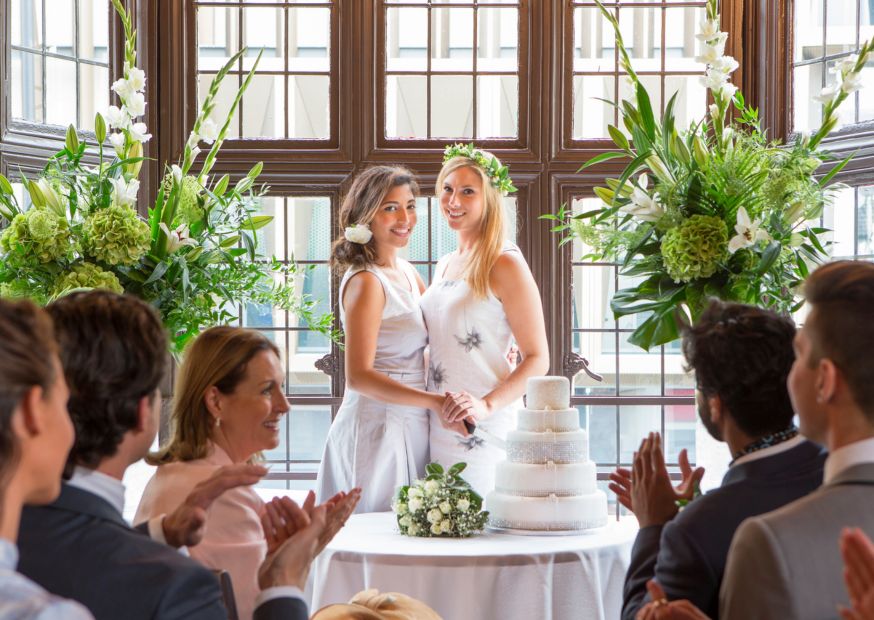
(375, 445)
(470, 339)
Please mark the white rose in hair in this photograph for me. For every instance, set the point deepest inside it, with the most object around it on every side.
(360, 233)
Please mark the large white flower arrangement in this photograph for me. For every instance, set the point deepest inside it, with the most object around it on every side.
(712, 210)
(196, 254)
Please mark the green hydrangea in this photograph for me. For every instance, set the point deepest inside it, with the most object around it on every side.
(40, 233)
(87, 275)
(116, 236)
(695, 248)
(19, 289)
(189, 208)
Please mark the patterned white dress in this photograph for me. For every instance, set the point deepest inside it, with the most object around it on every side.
(470, 339)
(375, 445)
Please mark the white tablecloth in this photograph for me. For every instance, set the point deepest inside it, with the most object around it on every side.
(492, 575)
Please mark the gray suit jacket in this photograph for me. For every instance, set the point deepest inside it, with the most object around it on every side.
(787, 564)
(80, 547)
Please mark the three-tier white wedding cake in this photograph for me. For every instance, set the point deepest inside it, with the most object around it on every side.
(548, 482)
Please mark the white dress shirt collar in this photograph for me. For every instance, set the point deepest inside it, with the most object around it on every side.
(101, 485)
(844, 458)
(783, 446)
(8, 555)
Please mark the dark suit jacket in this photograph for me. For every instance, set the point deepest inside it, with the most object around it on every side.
(80, 547)
(687, 555)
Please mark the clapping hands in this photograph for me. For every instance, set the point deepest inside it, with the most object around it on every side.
(858, 552)
(646, 490)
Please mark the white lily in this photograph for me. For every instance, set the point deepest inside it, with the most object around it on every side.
(138, 133)
(123, 88)
(136, 78)
(713, 109)
(642, 205)
(845, 65)
(851, 83)
(117, 118)
(193, 140)
(748, 232)
(713, 80)
(135, 104)
(708, 29)
(177, 173)
(710, 53)
(53, 200)
(826, 94)
(117, 142)
(728, 90)
(177, 238)
(125, 193)
(724, 64)
(194, 153)
(208, 131)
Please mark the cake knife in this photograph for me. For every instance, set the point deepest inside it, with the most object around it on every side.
(481, 433)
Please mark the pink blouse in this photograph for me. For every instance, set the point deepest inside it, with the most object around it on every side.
(233, 541)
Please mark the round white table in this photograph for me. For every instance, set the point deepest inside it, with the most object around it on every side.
(493, 575)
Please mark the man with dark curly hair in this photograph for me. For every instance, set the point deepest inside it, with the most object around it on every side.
(741, 357)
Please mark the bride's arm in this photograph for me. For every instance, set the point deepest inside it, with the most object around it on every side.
(364, 300)
(511, 282)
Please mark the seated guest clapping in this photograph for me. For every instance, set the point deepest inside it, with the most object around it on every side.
(35, 436)
(787, 564)
(227, 408)
(113, 350)
(741, 356)
(858, 553)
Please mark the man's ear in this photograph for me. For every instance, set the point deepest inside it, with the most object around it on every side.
(716, 411)
(826, 380)
(30, 412)
(144, 413)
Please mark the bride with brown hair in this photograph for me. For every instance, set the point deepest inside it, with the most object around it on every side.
(379, 438)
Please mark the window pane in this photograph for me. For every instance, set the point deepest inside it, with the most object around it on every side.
(594, 48)
(451, 106)
(310, 228)
(59, 34)
(642, 33)
(263, 107)
(840, 33)
(634, 424)
(808, 29)
(639, 371)
(309, 431)
(309, 32)
(865, 220)
(681, 47)
(94, 30)
(309, 110)
(26, 23)
(691, 103)
(498, 40)
(497, 106)
(223, 100)
(600, 422)
(807, 82)
(60, 86)
(27, 86)
(406, 39)
(591, 114)
(93, 93)
(406, 106)
(866, 95)
(218, 36)
(452, 40)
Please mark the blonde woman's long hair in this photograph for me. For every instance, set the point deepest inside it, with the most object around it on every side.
(492, 227)
(217, 357)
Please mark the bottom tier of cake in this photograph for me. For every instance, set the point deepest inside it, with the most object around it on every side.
(553, 513)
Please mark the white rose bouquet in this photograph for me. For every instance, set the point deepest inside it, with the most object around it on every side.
(441, 504)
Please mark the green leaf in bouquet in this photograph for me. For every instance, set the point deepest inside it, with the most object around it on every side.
(158, 272)
(258, 221)
(256, 170)
(831, 173)
(597, 159)
(769, 257)
(457, 469)
(606, 195)
(659, 328)
(222, 186)
(5, 186)
(434, 469)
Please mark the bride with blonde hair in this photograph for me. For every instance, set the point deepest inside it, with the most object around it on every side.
(483, 299)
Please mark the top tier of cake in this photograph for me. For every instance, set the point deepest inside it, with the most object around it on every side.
(548, 393)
